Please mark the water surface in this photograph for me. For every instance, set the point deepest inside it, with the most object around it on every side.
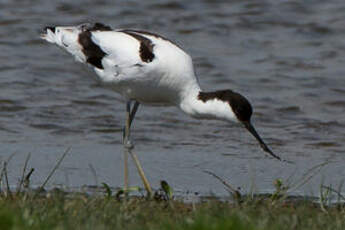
(287, 57)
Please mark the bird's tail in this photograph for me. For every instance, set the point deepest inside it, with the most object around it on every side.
(65, 37)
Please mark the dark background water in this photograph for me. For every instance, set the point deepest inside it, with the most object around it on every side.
(287, 57)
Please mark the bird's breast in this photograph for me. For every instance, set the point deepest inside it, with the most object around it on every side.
(149, 93)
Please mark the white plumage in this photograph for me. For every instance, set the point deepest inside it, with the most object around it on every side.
(167, 79)
(149, 69)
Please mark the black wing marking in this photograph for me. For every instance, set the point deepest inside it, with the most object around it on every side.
(143, 32)
(94, 54)
(146, 46)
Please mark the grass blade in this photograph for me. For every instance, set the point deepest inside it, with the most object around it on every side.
(23, 173)
(54, 169)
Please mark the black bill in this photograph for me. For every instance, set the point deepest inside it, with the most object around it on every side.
(252, 130)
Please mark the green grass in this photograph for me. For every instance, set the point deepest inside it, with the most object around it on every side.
(27, 209)
(79, 211)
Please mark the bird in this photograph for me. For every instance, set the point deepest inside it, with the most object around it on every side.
(149, 69)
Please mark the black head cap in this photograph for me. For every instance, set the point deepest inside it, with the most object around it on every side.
(241, 108)
(239, 104)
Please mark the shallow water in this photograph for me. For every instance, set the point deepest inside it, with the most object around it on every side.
(287, 57)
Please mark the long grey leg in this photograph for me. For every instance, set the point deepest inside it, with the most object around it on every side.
(130, 114)
(128, 148)
(133, 112)
(124, 141)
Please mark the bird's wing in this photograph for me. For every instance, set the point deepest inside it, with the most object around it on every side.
(119, 54)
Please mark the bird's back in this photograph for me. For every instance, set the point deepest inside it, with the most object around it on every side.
(137, 64)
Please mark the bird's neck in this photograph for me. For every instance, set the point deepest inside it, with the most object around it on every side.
(193, 105)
